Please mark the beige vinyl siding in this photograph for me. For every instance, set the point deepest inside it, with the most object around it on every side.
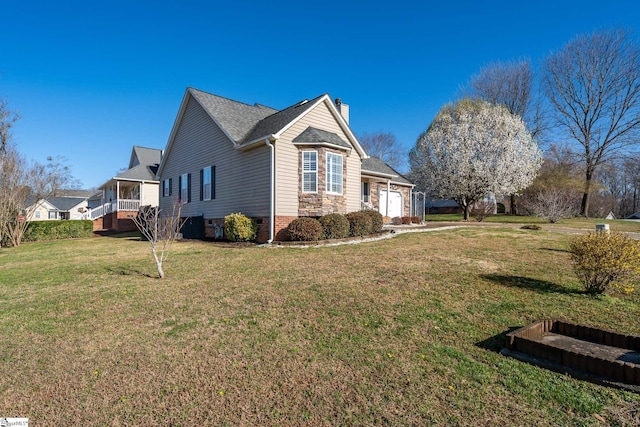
(287, 160)
(150, 194)
(352, 192)
(241, 177)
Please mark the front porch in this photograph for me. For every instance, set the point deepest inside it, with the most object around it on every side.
(117, 207)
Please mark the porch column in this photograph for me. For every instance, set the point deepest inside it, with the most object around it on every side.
(140, 192)
(117, 195)
(388, 195)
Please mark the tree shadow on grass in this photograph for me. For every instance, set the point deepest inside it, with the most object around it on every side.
(555, 250)
(128, 271)
(541, 286)
(129, 235)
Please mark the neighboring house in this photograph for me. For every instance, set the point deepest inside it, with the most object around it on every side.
(65, 204)
(122, 195)
(224, 156)
(442, 206)
(634, 216)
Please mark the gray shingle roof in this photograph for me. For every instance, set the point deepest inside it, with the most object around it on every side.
(145, 156)
(375, 165)
(65, 203)
(275, 122)
(143, 164)
(319, 136)
(139, 173)
(235, 118)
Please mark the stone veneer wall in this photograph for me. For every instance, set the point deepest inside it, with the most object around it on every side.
(321, 203)
(376, 187)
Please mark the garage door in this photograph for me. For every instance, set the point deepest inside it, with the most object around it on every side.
(395, 204)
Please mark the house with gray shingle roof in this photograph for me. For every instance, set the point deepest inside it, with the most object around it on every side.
(225, 156)
(122, 195)
(65, 204)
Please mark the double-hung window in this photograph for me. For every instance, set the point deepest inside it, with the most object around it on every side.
(166, 187)
(309, 171)
(334, 173)
(185, 188)
(208, 183)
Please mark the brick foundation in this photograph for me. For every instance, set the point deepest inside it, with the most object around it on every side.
(116, 221)
(213, 228)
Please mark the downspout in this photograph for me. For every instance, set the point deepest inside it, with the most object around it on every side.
(272, 196)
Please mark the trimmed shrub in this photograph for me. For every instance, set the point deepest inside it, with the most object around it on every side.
(335, 226)
(54, 230)
(405, 220)
(239, 228)
(396, 220)
(604, 261)
(359, 223)
(304, 229)
(415, 220)
(377, 220)
(501, 209)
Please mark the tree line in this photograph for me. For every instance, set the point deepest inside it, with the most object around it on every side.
(582, 104)
(23, 183)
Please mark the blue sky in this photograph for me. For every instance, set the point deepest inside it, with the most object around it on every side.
(92, 79)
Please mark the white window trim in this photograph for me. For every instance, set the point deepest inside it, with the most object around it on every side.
(328, 186)
(315, 172)
(204, 183)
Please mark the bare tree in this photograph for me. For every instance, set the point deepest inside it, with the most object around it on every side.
(510, 84)
(385, 146)
(555, 192)
(593, 87)
(161, 230)
(23, 185)
(7, 120)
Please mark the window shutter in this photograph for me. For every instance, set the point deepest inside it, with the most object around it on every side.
(189, 188)
(180, 188)
(201, 184)
(213, 182)
(170, 185)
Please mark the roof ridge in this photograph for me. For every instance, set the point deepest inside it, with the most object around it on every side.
(255, 105)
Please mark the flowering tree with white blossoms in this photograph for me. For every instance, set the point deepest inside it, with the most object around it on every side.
(471, 149)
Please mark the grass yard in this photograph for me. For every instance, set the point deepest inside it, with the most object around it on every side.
(578, 223)
(404, 331)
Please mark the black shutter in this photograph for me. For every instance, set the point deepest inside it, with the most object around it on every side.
(213, 182)
(189, 188)
(180, 188)
(201, 184)
(170, 186)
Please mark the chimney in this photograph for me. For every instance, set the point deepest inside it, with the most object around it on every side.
(343, 109)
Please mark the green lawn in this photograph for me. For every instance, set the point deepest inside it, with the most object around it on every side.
(578, 223)
(404, 331)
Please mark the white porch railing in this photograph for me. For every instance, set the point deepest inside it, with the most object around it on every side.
(100, 211)
(128, 205)
(120, 205)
